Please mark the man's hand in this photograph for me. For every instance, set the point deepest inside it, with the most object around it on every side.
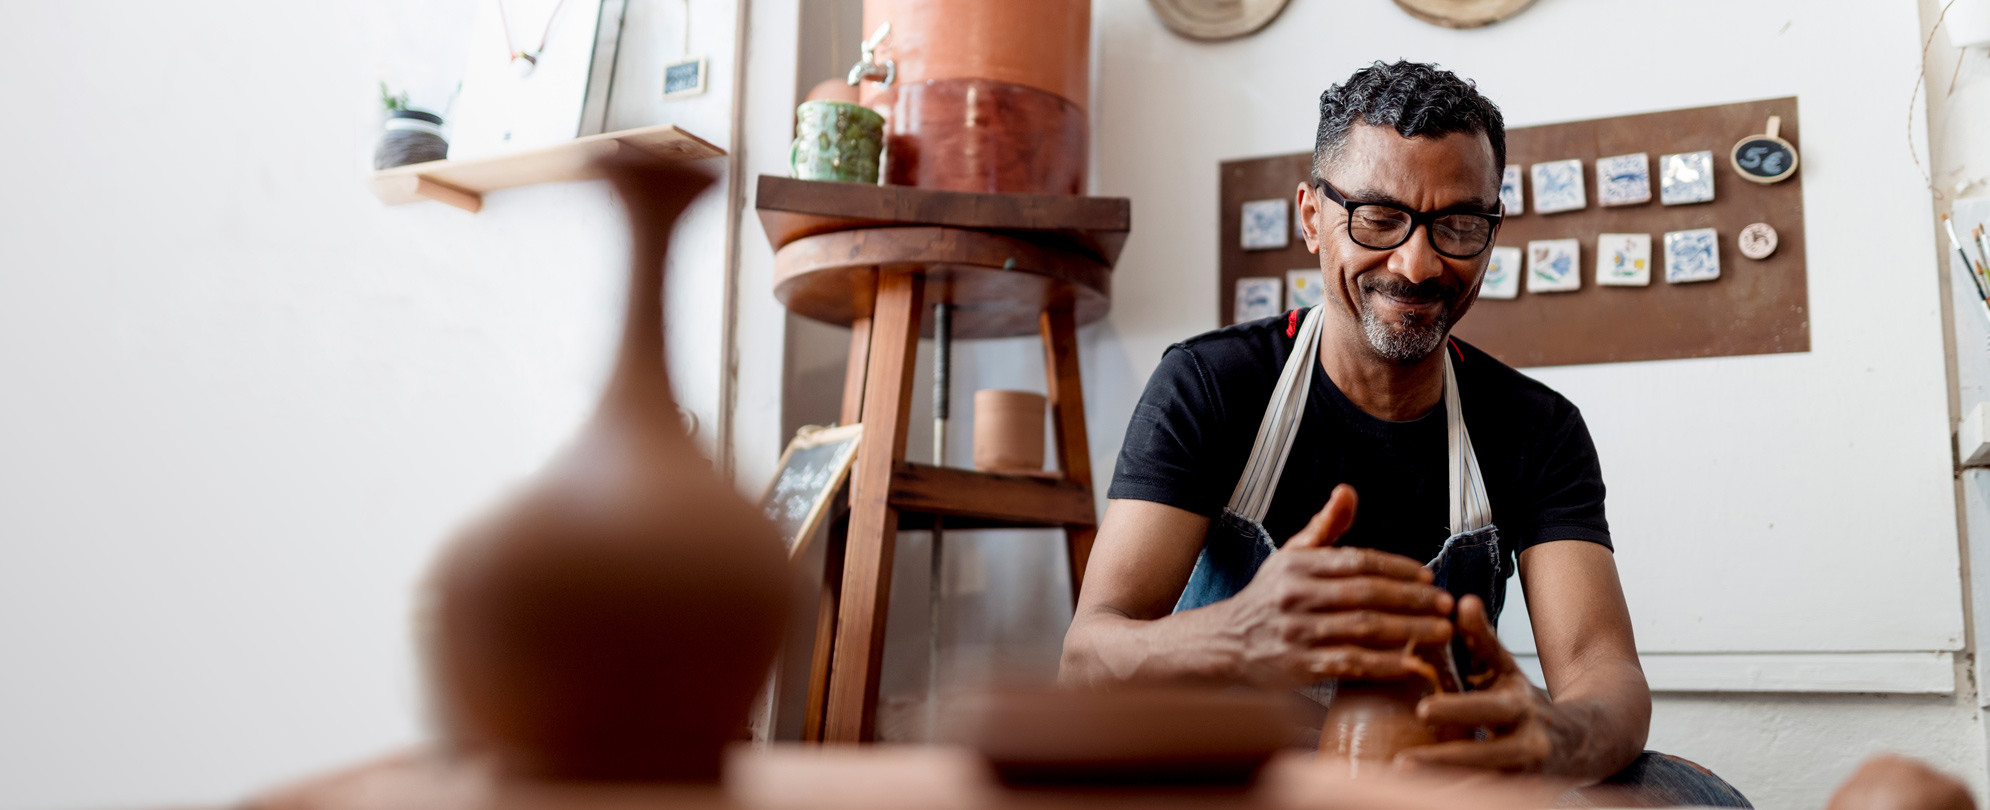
(1527, 731)
(1313, 611)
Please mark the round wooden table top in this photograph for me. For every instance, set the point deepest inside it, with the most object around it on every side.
(999, 284)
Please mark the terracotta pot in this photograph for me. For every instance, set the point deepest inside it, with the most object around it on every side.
(1008, 431)
(983, 135)
(1370, 721)
(615, 619)
(1045, 44)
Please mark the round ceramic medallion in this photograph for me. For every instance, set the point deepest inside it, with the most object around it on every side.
(1216, 19)
(1463, 13)
(1757, 241)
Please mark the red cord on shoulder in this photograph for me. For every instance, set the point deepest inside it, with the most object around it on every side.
(1292, 324)
(1455, 350)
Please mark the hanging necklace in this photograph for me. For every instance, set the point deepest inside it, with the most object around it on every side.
(525, 61)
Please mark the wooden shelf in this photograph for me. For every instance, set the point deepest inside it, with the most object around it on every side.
(463, 183)
(989, 500)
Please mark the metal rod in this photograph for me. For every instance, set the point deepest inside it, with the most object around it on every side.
(943, 349)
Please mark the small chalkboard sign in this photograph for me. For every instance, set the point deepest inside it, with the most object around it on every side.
(811, 470)
(684, 78)
(1765, 158)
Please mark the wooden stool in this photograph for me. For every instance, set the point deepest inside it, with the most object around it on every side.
(873, 258)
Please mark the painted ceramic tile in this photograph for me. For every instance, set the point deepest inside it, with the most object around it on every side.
(1266, 225)
(1623, 259)
(1623, 180)
(1258, 298)
(1687, 177)
(1552, 265)
(1510, 194)
(1302, 288)
(1502, 274)
(1693, 255)
(1558, 187)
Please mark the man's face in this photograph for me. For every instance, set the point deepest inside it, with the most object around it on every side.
(1403, 300)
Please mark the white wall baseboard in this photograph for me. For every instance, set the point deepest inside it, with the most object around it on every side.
(1913, 673)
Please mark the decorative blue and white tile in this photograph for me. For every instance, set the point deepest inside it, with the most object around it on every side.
(1258, 297)
(1267, 226)
(1302, 288)
(1502, 274)
(1623, 179)
(1558, 187)
(1687, 177)
(1553, 265)
(1623, 259)
(1693, 255)
(1510, 195)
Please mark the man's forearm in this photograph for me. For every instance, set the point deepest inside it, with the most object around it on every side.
(1105, 649)
(1601, 721)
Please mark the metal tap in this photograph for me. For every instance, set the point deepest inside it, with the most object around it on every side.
(869, 67)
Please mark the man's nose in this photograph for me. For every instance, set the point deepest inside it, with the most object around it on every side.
(1415, 260)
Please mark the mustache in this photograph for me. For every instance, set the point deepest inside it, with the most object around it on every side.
(1395, 287)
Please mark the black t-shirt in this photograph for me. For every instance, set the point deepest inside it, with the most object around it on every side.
(1194, 426)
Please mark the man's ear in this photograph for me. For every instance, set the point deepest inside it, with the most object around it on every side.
(1308, 206)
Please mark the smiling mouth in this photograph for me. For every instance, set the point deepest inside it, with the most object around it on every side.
(1406, 302)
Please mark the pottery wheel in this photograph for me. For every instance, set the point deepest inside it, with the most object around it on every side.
(1463, 13)
(1216, 19)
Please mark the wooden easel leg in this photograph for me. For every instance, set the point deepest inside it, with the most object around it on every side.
(853, 677)
(825, 630)
(1067, 417)
(832, 560)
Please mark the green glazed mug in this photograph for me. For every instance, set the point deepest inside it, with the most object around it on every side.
(837, 141)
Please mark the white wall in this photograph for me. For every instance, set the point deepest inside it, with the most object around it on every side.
(244, 401)
(1796, 507)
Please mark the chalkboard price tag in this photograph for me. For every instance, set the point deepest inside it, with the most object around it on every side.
(1765, 158)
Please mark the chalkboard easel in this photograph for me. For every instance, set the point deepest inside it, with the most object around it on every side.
(810, 471)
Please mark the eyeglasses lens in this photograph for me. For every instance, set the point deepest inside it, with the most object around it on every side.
(1381, 228)
(1460, 234)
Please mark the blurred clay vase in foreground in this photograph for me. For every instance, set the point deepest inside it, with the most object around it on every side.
(1008, 431)
(614, 620)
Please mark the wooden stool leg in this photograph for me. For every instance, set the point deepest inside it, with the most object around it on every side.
(853, 680)
(820, 656)
(1067, 418)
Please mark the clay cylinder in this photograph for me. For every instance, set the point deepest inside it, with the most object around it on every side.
(983, 135)
(1008, 431)
(1045, 44)
(1370, 721)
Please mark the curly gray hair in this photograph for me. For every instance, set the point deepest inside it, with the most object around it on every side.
(1416, 98)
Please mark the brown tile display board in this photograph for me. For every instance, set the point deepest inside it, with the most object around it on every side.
(1755, 307)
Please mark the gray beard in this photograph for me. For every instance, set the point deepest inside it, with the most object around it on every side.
(1405, 341)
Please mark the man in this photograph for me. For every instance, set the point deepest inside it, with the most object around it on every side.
(1402, 209)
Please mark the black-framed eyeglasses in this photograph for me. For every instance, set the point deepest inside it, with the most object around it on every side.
(1383, 226)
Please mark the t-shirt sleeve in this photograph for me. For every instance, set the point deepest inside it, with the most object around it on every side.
(1567, 495)
(1166, 455)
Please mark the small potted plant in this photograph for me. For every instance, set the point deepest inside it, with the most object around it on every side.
(412, 136)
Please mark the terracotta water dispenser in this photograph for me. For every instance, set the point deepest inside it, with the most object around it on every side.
(987, 96)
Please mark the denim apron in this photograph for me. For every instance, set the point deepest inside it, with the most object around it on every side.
(1468, 563)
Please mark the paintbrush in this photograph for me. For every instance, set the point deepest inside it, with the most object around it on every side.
(1974, 279)
(1982, 254)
